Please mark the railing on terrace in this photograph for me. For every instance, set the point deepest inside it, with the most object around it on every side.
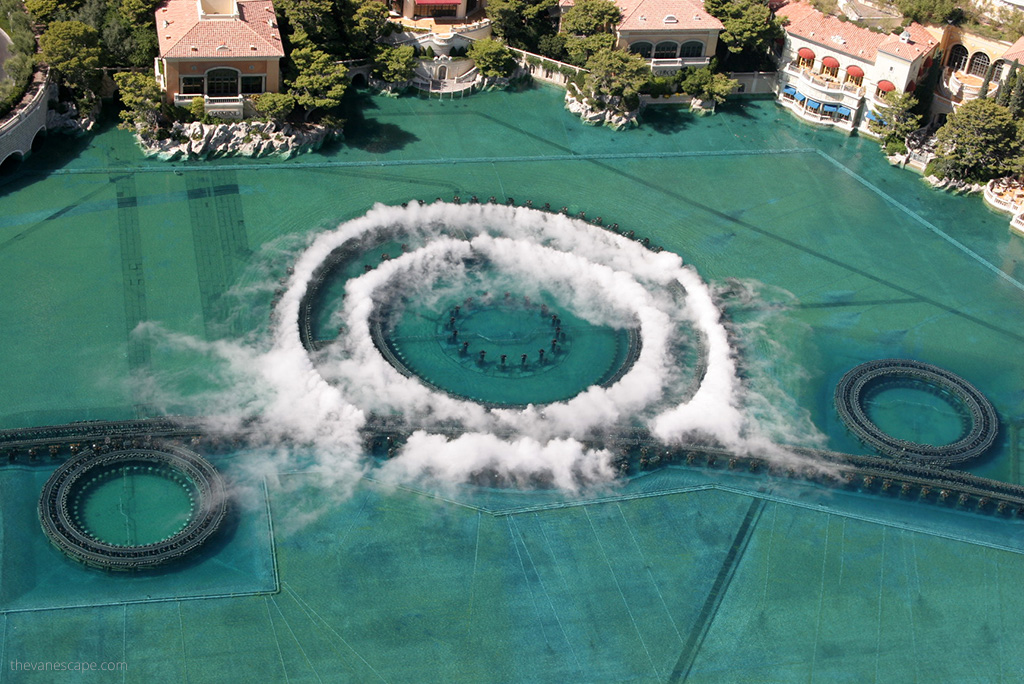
(469, 77)
(959, 87)
(818, 81)
(36, 91)
(1007, 204)
(231, 105)
(1017, 224)
(678, 62)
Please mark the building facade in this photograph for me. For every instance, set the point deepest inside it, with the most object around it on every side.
(967, 58)
(835, 73)
(669, 34)
(220, 50)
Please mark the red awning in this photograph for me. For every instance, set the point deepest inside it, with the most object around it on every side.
(928, 63)
(855, 71)
(830, 63)
(911, 86)
(805, 53)
(886, 86)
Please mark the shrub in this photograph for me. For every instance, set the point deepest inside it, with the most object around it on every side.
(197, 108)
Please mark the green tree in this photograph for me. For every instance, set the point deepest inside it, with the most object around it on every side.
(73, 49)
(1008, 85)
(45, 11)
(197, 108)
(616, 74)
(1017, 98)
(395, 63)
(581, 48)
(930, 11)
(521, 23)
(491, 57)
(897, 118)
(750, 27)
(978, 142)
(274, 106)
(985, 82)
(553, 46)
(313, 23)
(705, 84)
(319, 83)
(587, 17)
(22, 37)
(138, 11)
(141, 97)
(369, 24)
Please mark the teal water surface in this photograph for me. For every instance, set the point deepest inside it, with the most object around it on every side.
(833, 257)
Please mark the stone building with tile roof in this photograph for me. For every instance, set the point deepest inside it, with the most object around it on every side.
(669, 34)
(967, 57)
(835, 73)
(220, 50)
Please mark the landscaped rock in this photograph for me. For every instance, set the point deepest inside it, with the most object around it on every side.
(69, 120)
(197, 140)
(596, 113)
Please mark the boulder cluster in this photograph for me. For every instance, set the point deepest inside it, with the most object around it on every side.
(597, 113)
(197, 140)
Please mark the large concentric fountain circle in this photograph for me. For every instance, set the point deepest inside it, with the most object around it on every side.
(571, 328)
(855, 390)
(132, 509)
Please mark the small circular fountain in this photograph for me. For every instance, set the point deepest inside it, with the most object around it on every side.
(132, 509)
(968, 423)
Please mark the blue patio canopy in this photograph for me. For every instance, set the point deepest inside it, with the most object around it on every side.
(800, 97)
(843, 111)
(811, 104)
(789, 90)
(829, 108)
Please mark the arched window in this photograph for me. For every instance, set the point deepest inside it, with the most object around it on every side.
(222, 83)
(694, 48)
(997, 69)
(830, 67)
(855, 75)
(641, 48)
(978, 64)
(957, 58)
(666, 50)
(805, 58)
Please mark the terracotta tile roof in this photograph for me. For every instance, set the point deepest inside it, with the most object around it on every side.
(254, 34)
(649, 15)
(850, 39)
(921, 42)
(832, 34)
(1016, 51)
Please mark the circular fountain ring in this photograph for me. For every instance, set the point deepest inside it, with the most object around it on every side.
(684, 362)
(63, 524)
(978, 411)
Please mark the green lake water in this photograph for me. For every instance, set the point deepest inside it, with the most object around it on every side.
(678, 575)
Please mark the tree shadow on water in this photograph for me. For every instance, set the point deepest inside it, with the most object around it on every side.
(368, 134)
(667, 119)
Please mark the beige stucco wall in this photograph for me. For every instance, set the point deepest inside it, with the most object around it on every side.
(708, 37)
(174, 69)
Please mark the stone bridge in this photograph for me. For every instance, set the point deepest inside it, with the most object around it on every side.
(19, 129)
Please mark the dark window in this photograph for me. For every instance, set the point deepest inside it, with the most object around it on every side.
(979, 64)
(642, 49)
(192, 85)
(692, 49)
(222, 83)
(666, 50)
(957, 58)
(252, 85)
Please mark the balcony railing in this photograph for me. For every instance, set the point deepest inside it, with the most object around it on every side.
(678, 62)
(1008, 198)
(224, 107)
(822, 83)
(963, 86)
(1017, 224)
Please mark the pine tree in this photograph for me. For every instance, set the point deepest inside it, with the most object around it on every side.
(1008, 85)
(1017, 98)
(984, 83)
